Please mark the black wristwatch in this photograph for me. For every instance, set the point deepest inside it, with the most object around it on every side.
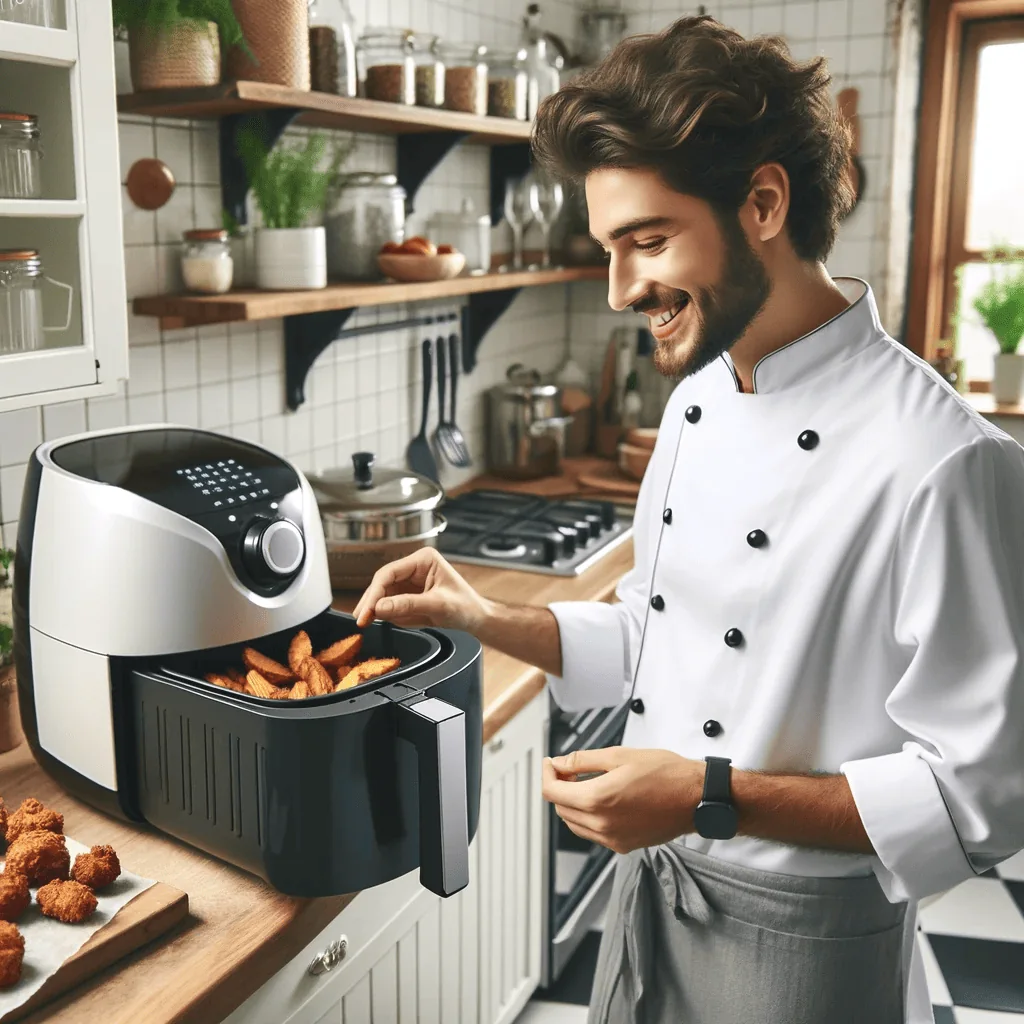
(715, 816)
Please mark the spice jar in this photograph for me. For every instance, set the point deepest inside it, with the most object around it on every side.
(430, 71)
(20, 157)
(332, 54)
(206, 263)
(21, 301)
(387, 67)
(369, 210)
(507, 84)
(465, 78)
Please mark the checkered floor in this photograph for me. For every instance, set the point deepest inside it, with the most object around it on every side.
(972, 940)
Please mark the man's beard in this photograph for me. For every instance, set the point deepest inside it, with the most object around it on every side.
(723, 311)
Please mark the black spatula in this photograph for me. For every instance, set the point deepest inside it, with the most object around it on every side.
(418, 455)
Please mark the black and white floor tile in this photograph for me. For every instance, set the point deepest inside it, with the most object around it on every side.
(972, 941)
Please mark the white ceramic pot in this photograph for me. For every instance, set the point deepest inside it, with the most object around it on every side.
(291, 258)
(1008, 382)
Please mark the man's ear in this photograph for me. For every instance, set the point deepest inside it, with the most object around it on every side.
(767, 201)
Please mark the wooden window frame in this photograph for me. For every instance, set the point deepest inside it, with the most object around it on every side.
(945, 138)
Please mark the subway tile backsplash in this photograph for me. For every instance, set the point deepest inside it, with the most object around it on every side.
(364, 393)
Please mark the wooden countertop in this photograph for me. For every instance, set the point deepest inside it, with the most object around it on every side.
(239, 930)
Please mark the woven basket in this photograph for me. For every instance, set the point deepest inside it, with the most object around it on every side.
(277, 32)
(186, 56)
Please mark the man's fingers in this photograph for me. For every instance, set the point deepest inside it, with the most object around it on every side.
(580, 762)
(408, 609)
(388, 576)
(580, 796)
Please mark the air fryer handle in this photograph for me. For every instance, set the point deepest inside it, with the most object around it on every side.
(438, 731)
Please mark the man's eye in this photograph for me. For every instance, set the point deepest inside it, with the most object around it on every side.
(650, 246)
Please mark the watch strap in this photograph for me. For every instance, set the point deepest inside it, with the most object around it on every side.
(717, 780)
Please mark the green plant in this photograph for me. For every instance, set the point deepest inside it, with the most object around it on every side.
(1000, 304)
(164, 15)
(286, 182)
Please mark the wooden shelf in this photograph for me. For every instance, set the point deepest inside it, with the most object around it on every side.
(320, 109)
(175, 311)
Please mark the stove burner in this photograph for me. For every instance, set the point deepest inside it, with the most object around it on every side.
(507, 549)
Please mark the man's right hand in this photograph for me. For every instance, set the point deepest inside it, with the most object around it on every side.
(422, 589)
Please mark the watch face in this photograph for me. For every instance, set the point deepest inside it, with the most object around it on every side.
(715, 820)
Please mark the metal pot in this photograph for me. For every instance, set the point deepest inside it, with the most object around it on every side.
(527, 429)
(372, 517)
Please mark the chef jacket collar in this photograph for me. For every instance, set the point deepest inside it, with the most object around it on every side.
(833, 342)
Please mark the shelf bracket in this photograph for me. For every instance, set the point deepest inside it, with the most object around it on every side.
(418, 153)
(234, 185)
(306, 335)
(507, 164)
(479, 315)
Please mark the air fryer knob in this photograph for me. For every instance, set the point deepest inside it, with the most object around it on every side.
(272, 548)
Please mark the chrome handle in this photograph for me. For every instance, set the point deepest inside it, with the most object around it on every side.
(329, 958)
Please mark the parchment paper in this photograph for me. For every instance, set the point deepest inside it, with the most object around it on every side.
(48, 943)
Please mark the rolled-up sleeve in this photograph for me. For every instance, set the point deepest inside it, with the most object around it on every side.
(951, 803)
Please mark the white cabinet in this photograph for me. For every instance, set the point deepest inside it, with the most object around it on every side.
(413, 958)
(65, 77)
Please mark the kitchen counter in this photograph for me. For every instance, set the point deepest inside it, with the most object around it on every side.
(239, 930)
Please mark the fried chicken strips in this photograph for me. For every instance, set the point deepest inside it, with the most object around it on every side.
(70, 902)
(12, 952)
(14, 895)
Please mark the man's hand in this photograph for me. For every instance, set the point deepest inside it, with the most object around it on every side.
(643, 798)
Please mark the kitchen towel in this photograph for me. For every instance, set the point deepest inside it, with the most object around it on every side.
(48, 943)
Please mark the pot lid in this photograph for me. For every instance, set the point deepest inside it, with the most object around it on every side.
(366, 491)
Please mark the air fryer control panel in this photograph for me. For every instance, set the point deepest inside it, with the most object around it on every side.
(248, 498)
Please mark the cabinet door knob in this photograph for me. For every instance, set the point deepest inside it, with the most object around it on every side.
(329, 958)
(495, 745)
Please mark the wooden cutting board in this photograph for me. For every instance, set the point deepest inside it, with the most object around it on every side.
(149, 915)
(609, 479)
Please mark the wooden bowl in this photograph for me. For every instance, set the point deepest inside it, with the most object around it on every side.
(421, 268)
(642, 437)
(633, 460)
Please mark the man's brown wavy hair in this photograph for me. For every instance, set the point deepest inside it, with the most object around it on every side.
(705, 108)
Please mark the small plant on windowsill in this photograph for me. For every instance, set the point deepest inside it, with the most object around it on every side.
(1000, 304)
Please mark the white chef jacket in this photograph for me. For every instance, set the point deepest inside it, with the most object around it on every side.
(881, 623)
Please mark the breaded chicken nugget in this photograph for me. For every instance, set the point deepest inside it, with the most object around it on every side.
(3, 818)
(39, 856)
(32, 816)
(69, 902)
(341, 651)
(273, 671)
(12, 952)
(97, 869)
(299, 650)
(14, 895)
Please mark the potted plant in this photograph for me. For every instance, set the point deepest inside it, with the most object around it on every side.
(10, 726)
(176, 44)
(1000, 304)
(289, 189)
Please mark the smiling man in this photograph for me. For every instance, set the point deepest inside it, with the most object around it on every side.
(822, 637)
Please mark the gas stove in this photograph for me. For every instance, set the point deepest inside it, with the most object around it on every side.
(519, 531)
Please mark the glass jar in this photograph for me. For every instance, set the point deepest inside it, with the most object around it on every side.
(20, 156)
(467, 231)
(21, 301)
(387, 68)
(206, 263)
(368, 210)
(465, 78)
(332, 53)
(429, 71)
(28, 12)
(506, 85)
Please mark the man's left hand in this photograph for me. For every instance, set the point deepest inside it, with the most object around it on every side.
(642, 798)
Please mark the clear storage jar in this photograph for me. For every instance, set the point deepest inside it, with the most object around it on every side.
(21, 156)
(507, 83)
(21, 301)
(387, 68)
(430, 71)
(369, 210)
(465, 78)
(467, 231)
(206, 263)
(332, 55)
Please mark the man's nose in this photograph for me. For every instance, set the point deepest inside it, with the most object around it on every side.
(624, 287)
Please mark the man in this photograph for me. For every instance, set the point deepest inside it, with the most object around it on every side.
(827, 586)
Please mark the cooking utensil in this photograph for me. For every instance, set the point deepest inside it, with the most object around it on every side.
(418, 455)
(457, 451)
(440, 431)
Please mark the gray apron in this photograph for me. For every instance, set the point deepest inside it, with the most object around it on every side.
(691, 939)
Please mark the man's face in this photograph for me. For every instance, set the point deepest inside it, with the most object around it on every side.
(694, 275)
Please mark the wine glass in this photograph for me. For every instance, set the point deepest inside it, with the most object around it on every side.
(546, 201)
(518, 215)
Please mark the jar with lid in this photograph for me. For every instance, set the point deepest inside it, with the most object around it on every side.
(543, 63)
(368, 210)
(468, 232)
(465, 77)
(429, 71)
(20, 156)
(387, 67)
(21, 301)
(507, 84)
(332, 48)
(206, 263)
